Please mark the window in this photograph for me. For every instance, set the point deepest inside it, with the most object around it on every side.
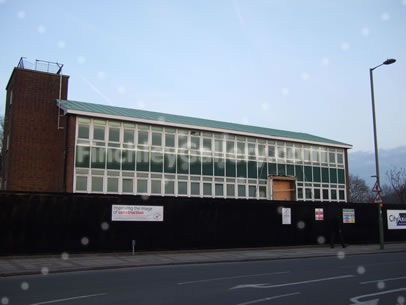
(81, 183)
(218, 145)
(113, 158)
(207, 144)
(143, 161)
(112, 185)
(195, 188)
(128, 160)
(207, 166)
(182, 188)
(230, 168)
(127, 185)
(207, 189)
(169, 187)
(341, 194)
(332, 158)
(219, 189)
(252, 191)
(252, 169)
(251, 149)
(325, 195)
(156, 139)
(83, 132)
(142, 137)
(262, 191)
(98, 157)
(128, 136)
(142, 186)
(242, 168)
(156, 187)
(195, 143)
(230, 147)
(340, 159)
(157, 162)
(317, 194)
(230, 190)
(97, 184)
(240, 148)
(308, 193)
(170, 140)
(170, 163)
(242, 191)
(334, 194)
(82, 156)
(182, 141)
(218, 167)
(98, 133)
(114, 134)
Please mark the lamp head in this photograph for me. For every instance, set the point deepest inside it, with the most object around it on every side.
(389, 61)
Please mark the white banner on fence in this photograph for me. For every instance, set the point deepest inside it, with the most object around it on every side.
(396, 219)
(137, 213)
(286, 216)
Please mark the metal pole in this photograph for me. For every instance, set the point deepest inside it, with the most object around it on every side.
(380, 221)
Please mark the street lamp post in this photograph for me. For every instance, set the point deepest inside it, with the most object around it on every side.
(378, 181)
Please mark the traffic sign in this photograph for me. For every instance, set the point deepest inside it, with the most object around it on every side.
(378, 198)
(377, 188)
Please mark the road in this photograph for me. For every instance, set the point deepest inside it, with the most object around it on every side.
(362, 279)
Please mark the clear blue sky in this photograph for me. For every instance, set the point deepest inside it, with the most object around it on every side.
(293, 65)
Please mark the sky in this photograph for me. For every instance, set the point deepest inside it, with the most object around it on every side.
(284, 64)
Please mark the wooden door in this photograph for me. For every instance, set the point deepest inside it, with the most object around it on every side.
(282, 190)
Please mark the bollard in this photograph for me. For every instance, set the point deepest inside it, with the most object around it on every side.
(133, 246)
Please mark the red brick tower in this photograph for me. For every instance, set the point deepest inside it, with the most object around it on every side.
(33, 145)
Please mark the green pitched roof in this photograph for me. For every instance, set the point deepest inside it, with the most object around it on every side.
(95, 109)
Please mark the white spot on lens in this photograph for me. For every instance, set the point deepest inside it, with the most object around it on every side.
(365, 31)
(325, 61)
(101, 74)
(145, 197)
(41, 29)
(265, 106)
(305, 76)
(21, 14)
(361, 270)
(340, 254)
(44, 270)
(4, 300)
(65, 256)
(345, 46)
(61, 44)
(301, 225)
(280, 210)
(105, 226)
(321, 240)
(121, 89)
(401, 299)
(84, 241)
(25, 286)
(381, 285)
(385, 16)
(81, 60)
(285, 91)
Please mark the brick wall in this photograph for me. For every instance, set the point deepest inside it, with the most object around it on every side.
(35, 159)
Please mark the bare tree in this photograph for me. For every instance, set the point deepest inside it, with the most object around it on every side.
(397, 178)
(359, 191)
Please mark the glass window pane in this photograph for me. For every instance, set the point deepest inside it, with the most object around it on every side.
(300, 193)
(230, 190)
(340, 159)
(208, 166)
(272, 169)
(298, 154)
(182, 141)
(113, 158)
(325, 195)
(252, 169)
(333, 194)
(156, 139)
(195, 188)
(299, 172)
(230, 147)
(195, 143)
(82, 156)
(169, 187)
(341, 176)
(281, 152)
(183, 164)
(242, 191)
(316, 174)
(112, 185)
(207, 144)
(128, 160)
(261, 150)
(98, 133)
(143, 137)
(128, 186)
(315, 156)
(97, 184)
(262, 170)
(271, 151)
(142, 186)
(240, 148)
(195, 165)
(324, 157)
(308, 193)
(218, 167)
(114, 134)
(156, 187)
(251, 149)
(170, 140)
(98, 157)
(333, 175)
(332, 157)
(207, 189)
(83, 132)
(182, 188)
(218, 145)
(143, 161)
(308, 173)
(290, 170)
(219, 189)
(262, 191)
(324, 175)
(242, 168)
(230, 168)
(170, 163)
(316, 193)
(281, 170)
(307, 155)
(342, 195)
(81, 183)
(128, 136)
(252, 191)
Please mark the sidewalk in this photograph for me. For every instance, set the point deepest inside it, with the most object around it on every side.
(28, 265)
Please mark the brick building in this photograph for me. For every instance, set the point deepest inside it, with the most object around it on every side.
(53, 144)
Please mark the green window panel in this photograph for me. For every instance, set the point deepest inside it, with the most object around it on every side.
(290, 170)
(128, 160)
(219, 189)
(157, 162)
(240, 148)
(262, 170)
(299, 172)
(81, 183)
(325, 195)
(242, 191)
(98, 133)
(83, 132)
(195, 165)
(128, 136)
(156, 139)
(195, 188)
(262, 191)
(182, 141)
(170, 163)
(242, 168)
(281, 170)
(230, 147)
(82, 156)
(272, 169)
(341, 176)
(112, 185)
(230, 168)
(143, 161)
(252, 191)
(143, 137)
(317, 194)
(156, 187)
(182, 188)
(169, 187)
(324, 175)
(114, 134)
(308, 173)
(97, 184)
(113, 158)
(341, 194)
(207, 189)
(182, 164)
(218, 145)
(271, 151)
(333, 175)
(252, 169)
(208, 166)
(308, 193)
(251, 150)
(128, 185)
(195, 143)
(316, 174)
(218, 167)
(230, 190)
(300, 193)
(170, 140)
(98, 157)
(333, 194)
(207, 144)
(142, 186)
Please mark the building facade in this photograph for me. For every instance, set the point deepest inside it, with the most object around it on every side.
(114, 150)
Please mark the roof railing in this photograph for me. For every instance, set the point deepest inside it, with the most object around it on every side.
(40, 65)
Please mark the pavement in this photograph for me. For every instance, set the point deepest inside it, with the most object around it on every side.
(65, 262)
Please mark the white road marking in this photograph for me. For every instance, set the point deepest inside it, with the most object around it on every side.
(385, 280)
(69, 299)
(355, 300)
(270, 298)
(231, 277)
(292, 284)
